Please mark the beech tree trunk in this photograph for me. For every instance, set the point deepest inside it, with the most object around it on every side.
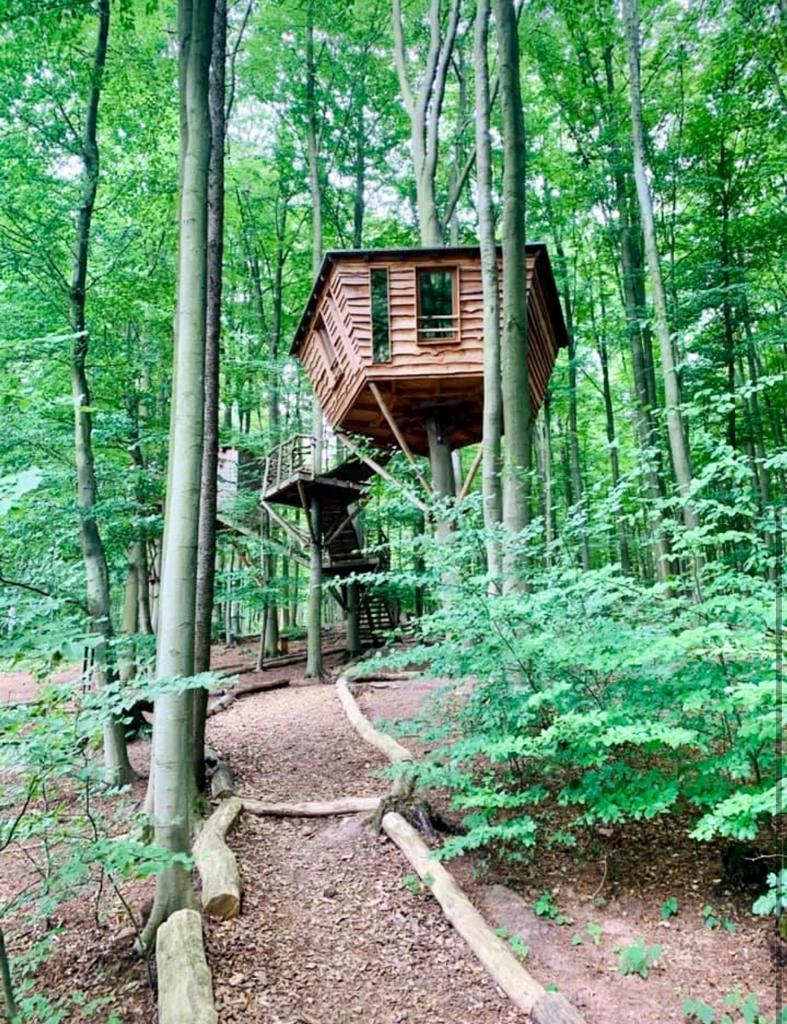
(514, 344)
(424, 108)
(117, 767)
(675, 427)
(171, 764)
(206, 544)
(493, 407)
(609, 413)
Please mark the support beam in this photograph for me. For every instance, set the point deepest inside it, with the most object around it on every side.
(399, 436)
(471, 473)
(345, 522)
(381, 471)
(291, 530)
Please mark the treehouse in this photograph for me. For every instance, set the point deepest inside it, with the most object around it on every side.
(390, 337)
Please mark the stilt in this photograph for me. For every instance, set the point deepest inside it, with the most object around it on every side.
(443, 481)
(353, 620)
(314, 613)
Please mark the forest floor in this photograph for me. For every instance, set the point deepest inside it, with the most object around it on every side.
(330, 933)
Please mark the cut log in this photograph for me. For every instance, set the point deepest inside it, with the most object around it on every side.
(313, 809)
(222, 781)
(221, 704)
(521, 988)
(185, 986)
(293, 659)
(387, 745)
(359, 678)
(216, 863)
(229, 698)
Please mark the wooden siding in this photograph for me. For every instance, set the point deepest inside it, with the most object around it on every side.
(444, 372)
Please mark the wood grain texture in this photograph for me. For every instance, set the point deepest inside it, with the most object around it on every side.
(421, 376)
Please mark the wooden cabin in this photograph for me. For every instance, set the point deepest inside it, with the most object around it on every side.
(397, 334)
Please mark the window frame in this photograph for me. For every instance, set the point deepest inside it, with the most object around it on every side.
(387, 270)
(438, 268)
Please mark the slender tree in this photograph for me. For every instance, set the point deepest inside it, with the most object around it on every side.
(118, 768)
(424, 106)
(171, 764)
(679, 449)
(206, 546)
(493, 410)
(514, 343)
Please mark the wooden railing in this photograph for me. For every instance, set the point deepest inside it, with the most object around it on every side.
(295, 456)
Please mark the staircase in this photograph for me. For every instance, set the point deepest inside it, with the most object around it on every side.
(290, 479)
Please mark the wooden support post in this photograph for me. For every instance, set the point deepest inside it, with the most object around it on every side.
(443, 483)
(314, 614)
(353, 620)
(381, 471)
(399, 436)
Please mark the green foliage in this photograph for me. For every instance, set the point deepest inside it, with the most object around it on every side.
(669, 908)
(519, 947)
(638, 958)
(746, 1009)
(545, 906)
(712, 919)
(595, 931)
(599, 699)
(774, 900)
(413, 884)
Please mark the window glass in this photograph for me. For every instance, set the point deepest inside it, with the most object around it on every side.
(381, 336)
(436, 318)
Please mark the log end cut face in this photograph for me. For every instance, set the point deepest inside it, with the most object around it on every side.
(397, 335)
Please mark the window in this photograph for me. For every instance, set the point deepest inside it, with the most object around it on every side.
(329, 352)
(381, 328)
(437, 316)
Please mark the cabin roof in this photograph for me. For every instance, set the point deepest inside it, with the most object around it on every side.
(543, 268)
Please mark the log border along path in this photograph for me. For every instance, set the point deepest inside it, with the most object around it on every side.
(221, 894)
(520, 986)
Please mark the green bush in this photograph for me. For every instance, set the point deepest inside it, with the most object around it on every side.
(600, 699)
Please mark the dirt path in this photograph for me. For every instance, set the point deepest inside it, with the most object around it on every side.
(329, 933)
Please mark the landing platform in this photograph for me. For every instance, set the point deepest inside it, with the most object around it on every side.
(301, 486)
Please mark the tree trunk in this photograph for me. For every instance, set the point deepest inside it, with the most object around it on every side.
(675, 427)
(515, 344)
(577, 496)
(9, 999)
(117, 767)
(313, 142)
(424, 109)
(206, 544)
(140, 556)
(493, 410)
(359, 198)
(128, 626)
(545, 444)
(639, 342)
(171, 766)
(614, 465)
